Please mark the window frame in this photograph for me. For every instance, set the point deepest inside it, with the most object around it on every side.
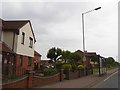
(21, 60)
(29, 61)
(30, 42)
(23, 38)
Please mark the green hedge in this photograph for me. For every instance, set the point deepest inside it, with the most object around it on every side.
(80, 67)
(50, 71)
(67, 66)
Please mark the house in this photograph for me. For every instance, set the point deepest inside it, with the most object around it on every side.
(18, 42)
(37, 60)
(6, 60)
(88, 56)
(46, 63)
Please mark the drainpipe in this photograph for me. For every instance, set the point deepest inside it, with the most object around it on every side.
(14, 56)
(13, 42)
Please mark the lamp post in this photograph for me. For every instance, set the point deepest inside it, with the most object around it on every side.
(84, 58)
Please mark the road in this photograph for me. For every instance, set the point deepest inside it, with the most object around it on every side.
(109, 82)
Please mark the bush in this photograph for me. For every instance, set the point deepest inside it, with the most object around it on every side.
(42, 67)
(80, 67)
(50, 71)
(74, 67)
(66, 66)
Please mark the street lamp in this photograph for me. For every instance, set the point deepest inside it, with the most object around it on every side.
(84, 58)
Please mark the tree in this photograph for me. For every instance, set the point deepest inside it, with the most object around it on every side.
(110, 61)
(54, 54)
(75, 57)
(66, 55)
(94, 58)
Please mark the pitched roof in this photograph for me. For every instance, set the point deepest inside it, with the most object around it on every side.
(90, 53)
(15, 25)
(79, 51)
(86, 53)
(12, 25)
(36, 53)
(5, 48)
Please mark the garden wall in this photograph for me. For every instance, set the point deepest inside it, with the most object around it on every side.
(32, 81)
(72, 74)
(40, 81)
(21, 83)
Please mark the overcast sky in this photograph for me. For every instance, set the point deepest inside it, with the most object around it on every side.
(59, 24)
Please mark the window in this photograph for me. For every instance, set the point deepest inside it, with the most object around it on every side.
(10, 60)
(21, 57)
(5, 61)
(23, 38)
(31, 42)
(29, 61)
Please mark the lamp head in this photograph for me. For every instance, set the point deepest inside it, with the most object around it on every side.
(97, 8)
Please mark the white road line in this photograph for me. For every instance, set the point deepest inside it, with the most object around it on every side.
(110, 76)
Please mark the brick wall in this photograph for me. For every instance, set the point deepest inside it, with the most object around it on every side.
(37, 59)
(77, 73)
(73, 74)
(21, 83)
(40, 81)
(32, 81)
(21, 68)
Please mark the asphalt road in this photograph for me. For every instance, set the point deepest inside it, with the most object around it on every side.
(109, 82)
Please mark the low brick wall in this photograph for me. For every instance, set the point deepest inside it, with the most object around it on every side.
(81, 73)
(88, 71)
(21, 83)
(72, 74)
(40, 81)
(32, 81)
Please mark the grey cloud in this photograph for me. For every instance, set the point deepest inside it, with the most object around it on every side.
(59, 24)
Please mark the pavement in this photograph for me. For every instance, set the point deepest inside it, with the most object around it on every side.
(83, 82)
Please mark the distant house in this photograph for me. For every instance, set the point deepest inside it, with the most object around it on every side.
(17, 41)
(46, 63)
(88, 56)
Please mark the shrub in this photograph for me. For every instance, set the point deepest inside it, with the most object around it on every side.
(74, 66)
(80, 67)
(66, 66)
(50, 71)
(79, 63)
(42, 67)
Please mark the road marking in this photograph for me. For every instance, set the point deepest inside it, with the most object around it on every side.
(110, 76)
